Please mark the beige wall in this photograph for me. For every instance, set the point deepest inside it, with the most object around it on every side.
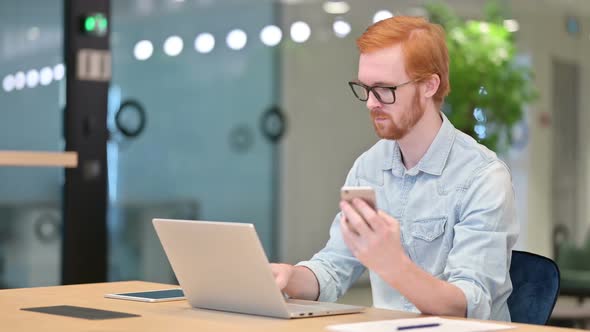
(543, 36)
(327, 131)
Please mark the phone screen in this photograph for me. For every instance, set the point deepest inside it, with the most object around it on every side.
(160, 294)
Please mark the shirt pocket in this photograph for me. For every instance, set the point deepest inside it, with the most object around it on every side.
(428, 245)
(428, 229)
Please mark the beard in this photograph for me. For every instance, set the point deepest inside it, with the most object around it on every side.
(394, 131)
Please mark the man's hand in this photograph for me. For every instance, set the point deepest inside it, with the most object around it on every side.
(372, 236)
(298, 282)
(282, 274)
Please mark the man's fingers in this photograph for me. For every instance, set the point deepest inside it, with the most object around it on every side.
(345, 226)
(348, 235)
(355, 220)
(370, 215)
(281, 281)
(281, 273)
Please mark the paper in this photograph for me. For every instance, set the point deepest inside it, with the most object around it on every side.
(445, 325)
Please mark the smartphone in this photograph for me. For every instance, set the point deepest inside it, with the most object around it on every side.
(365, 193)
(163, 295)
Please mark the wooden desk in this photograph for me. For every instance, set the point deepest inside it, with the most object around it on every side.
(174, 316)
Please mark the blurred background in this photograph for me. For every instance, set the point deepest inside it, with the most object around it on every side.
(239, 110)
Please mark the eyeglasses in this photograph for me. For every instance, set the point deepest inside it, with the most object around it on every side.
(385, 94)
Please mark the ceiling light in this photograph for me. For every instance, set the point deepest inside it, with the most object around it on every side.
(20, 80)
(300, 32)
(382, 15)
(8, 83)
(46, 76)
(143, 50)
(336, 7)
(32, 78)
(236, 39)
(173, 45)
(204, 43)
(341, 28)
(271, 35)
(59, 72)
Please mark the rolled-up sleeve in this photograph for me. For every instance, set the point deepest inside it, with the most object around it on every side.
(479, 260)
(335, 267)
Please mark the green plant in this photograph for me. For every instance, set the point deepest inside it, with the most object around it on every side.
(489, 90)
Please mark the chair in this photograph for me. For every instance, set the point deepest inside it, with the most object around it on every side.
(573, 264)
(535, 282)
(574, 268)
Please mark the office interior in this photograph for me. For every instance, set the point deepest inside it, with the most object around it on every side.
(239, 110)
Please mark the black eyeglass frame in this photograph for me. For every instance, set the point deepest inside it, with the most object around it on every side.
(369, 89)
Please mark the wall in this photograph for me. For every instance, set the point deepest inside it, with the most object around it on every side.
(543, 35)
(328, 129)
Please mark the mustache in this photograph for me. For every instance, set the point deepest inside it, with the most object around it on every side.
(379, 114)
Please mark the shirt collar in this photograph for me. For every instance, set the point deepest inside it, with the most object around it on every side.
(435, 159)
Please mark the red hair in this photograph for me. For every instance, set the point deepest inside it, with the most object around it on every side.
(423, 44)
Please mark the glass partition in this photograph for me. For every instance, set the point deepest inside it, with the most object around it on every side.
(31, 76)
(203, 80)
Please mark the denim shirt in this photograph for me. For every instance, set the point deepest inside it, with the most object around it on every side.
(457, 218)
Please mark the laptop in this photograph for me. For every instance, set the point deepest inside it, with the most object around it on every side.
(222, 266)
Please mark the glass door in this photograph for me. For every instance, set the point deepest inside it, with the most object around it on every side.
(31, 78)
(192, 87)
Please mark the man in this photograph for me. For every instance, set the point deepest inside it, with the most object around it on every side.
(441, 239)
